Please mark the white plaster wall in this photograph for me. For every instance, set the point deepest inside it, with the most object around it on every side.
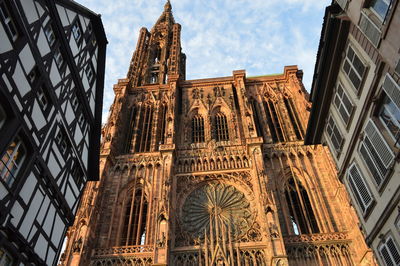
(26, 58)
(5, 42)
(30, 11)
(20, 80)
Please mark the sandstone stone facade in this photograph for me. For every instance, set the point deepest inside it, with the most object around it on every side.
(211, 172)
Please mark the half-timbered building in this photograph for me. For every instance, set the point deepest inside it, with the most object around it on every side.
(52, 59)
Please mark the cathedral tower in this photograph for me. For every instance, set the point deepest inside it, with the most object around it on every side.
(210, 172)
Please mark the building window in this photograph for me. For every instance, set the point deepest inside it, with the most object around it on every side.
(61, 140)
(42, 98)
(254, 108)
(34, 75)
(5, 258)
(221, 127)
(135, 218)
(81, 121)
(5, 16)
(90, 73)
(3, 117)
(12, 161)
(144, 136)
(48, 31)
(197, 129)
(302, 216)
(377, 155)
(273, 122)
(353, 68)
(398, 223)
(153, 77)
(359, 188)
(74, 101)
(343, 104)
(77, 174)
(293, 118)
(397, 69)
(380, 7)
(389, 112)
(334, 134)
(59, 58)
(76, 31)
(389, 251)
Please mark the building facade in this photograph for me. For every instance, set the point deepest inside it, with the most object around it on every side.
(356, 113)
(52, 59)
(210, 172)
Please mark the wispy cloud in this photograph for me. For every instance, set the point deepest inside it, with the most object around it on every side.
(217, 36)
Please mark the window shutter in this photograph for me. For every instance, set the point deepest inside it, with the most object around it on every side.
(394, 252)
(389, 252)
(379, 144)
(369, 29)
(392, 89)
(359, 188)
(376, 153)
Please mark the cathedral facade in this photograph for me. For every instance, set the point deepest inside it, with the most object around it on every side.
(211, 172)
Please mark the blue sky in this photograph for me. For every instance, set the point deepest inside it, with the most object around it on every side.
(218, 36)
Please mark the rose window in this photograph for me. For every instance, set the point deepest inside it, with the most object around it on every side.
(223, 205)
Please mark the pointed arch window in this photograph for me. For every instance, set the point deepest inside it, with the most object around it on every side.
(134, 219)
(293, 118)
(197, 129)
(273, 121)
(162, 123)
(221, 127)
(301, 213)
(143, 138)
(131, 129)
(256, 117)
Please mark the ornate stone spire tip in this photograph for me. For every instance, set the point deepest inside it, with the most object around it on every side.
(167, 6)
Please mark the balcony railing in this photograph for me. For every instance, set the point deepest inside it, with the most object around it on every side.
(315, 238)
(139, 250)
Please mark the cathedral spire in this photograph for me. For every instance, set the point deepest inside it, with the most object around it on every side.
(167, 6)
(158, 54)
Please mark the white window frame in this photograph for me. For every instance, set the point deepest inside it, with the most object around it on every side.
(76, 31)
(42, 97)
(61, 140)
(384, 245)
(9, 165)
(332, 128)
(359, 188)
(33, 75)
(392, 91)
(388, 2)
(341, 104)
(5, 15)
(89, 73)
(81, 120)
(74, 101)
(392, 118)
(58, 58)
(50, 36)
(352, 68)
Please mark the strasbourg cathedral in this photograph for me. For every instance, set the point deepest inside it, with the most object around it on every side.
(211, 172)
